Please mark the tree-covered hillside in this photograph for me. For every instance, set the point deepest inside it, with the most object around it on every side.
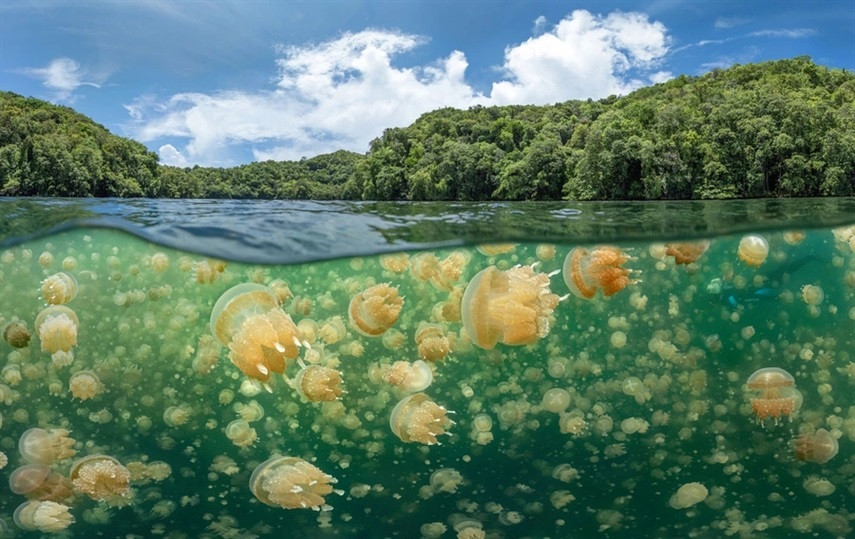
(783, 128)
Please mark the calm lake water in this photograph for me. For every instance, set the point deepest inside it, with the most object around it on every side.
(554, 414)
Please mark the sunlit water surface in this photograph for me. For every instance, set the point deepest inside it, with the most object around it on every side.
(592, 429)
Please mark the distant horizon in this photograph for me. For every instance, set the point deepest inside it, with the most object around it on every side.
(224, 84)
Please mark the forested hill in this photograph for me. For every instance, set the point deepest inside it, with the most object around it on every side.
(782, 128)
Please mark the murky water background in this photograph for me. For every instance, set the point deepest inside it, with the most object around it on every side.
(665, 408)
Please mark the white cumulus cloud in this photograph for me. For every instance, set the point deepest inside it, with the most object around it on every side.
(169, 155)
(62, 75)
(342, 93)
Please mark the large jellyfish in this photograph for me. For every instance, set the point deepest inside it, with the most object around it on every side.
(291, 483)
(102, 478)
(513, 307)
(375, 309)
(261, 338)
(775, 393)
(588, 270)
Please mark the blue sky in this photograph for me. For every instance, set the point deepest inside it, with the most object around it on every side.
(223, 83)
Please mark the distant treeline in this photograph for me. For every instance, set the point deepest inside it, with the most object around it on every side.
(782, 128)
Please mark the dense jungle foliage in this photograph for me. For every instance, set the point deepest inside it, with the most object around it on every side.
(781, 128)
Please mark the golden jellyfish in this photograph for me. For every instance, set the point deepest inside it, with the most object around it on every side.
(556, 400)
(281, 290)
(16, 334)
(793, 237)
(775, 394)
(753, 250)
(494, 249)
(85, 385)
(395, 262)
(261, 338)
(818, 486)
(40, 446)
(818, 447)
(241, 433)
(332, 330)
(291, 483)
(102, 478)
(317, 383)
(588, 270)
(432, 341)
(59, 288)
(812, 294)
(688, 495)
(513, 307)
(424, 266)
(43, 516)
(208, 270)
(57, 328)
(38, 482)
(686, 252)
(416, 418)
(449, 270)
(408, 377)
(375, 309)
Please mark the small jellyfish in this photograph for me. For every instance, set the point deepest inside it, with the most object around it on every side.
(818, 486)
(40, 446)
(38, 482)
(261, 338)
(57, 328)
(588, 270)
(494, 249)
(416, 418)
(16, 334)
(241, 433)
(159, 262)
(103, 479)
(812, 294)
(513, 307)
(775, 394)
(818, 447)
(291, 483)
(317, 383)
(85, 385)
(332, 330)
(375, 309)
(59, 288)
(395, 262)
(556, 400)
(688, 495)
(432, 341)
(687, 252)
(408, 377)
(753, 250)
(43, 516)
(208, 270)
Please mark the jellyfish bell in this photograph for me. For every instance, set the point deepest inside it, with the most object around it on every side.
(599, 268)
(38, 482)
(42, 516)
(375, 310)
(513, 307)
(753, 250)
(317, 383)
(819, 447)
(432, 341)
(261, 338)
(57, 328)
(85, 385)
(59, 288)
(16, 334)
(291, 483)
(812, 294)
(416, 418)
(686, 252)
(102, 478)
(774, 394)
(40, 446)
(409, 377)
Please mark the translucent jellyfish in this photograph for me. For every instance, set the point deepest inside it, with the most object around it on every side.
(59, 288)
(416, 418)
(688, 495)
(432, 341)
(775, 394)
(38, 482)
(818, 486)
(16, 334)
(43, 516)
(513, 307)
(753, 250)
(408, 377)
(332, 330)
(588, 270)
(57, 328)
(40, 446)
(818, 447)
(208, 271)
(259, 335)
(687, 252)
(556, 400)
(317, 383)
(395, 262)
(85, 385)
(103, 479)
(291, 483)
(159, 261)
(812, 294)
(375, 309)
(241, 433)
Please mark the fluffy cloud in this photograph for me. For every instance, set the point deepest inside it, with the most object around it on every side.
(169, 155)
(342, 93)
(62, 75)
(585, 55)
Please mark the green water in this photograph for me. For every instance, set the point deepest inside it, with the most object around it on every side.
(690, 347)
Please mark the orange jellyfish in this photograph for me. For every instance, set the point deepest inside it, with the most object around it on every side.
(775, 394)
(586, 271)
(261, 338)
(686, 253)
(818, 447)
(416, 418)
(59, 288)
(291, 483)
(38, 482)
(102, 478)
(493, 249)
(432, 341)
(375, 309)
(408, 377)
(318, 383)
(753, 250)
(209, 270)
(513, 307)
